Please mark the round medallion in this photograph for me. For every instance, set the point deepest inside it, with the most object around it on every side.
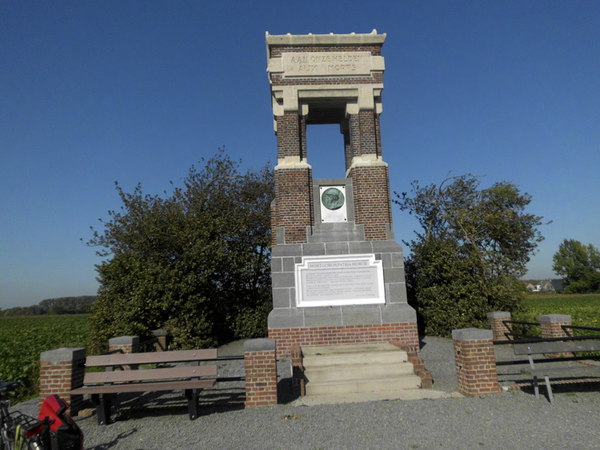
(332, 199)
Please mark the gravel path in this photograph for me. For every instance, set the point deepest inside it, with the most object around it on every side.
(511, 420)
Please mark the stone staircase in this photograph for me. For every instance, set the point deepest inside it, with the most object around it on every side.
(358, 369)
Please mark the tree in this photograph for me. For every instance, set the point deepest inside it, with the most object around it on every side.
(196, 263)
(579, 264)
(473, 246)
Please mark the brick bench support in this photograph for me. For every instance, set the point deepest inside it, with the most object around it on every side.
(61, 371)
(475, 362)
(261, 372)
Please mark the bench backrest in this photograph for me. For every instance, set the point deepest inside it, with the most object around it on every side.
(556, 347)
(151, 358)
(134, 359)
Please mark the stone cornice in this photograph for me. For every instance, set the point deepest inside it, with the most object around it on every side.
(325, 39)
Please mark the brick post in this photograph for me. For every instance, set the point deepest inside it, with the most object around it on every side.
(552, 327)
(61, 371)
(161, 345)
(499, 328)
(127, 344)
(261, 372)
(475, 362)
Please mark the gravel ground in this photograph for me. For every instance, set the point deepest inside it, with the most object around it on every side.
(510, 420)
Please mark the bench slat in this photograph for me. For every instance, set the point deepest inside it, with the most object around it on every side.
(556, 347)
(144, 387)
(150, 374)
(151, 358)
(547, 371)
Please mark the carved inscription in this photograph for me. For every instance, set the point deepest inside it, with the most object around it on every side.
(326, 64)
(340, 282)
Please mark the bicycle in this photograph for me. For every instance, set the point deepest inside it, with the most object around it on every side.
(14, 426)
(52, 430)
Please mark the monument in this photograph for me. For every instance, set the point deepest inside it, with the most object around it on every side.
(337, 271)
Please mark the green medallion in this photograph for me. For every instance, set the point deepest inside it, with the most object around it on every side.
(332, 199)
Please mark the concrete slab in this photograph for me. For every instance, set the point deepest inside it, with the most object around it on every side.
(409, 395)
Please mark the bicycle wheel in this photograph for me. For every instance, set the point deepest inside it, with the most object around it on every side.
(6, 443)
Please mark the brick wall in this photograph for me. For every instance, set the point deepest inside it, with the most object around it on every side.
(290, 139)
(348, 334)
(475, 362)
(260, 362)
(293, 191)
(372, 206)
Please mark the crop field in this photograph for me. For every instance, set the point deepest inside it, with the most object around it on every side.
(22, 339)
(584, 309)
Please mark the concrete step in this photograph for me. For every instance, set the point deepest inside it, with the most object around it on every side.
(367, 354)
(363, 386)
(357, 371)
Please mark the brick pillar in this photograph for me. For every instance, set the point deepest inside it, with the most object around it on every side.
(475, 362)
(161, 345)
(127, 344)
(499, 328)
(552, 327)
(261, 372)
(61, 371)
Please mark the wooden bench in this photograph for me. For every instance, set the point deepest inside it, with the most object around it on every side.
(104, 386)
(554, 346)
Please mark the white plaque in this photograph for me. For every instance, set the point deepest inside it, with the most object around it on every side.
(303, 64)
(339, 280)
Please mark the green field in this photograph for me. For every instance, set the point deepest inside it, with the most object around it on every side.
(22, 339)
(584, 310)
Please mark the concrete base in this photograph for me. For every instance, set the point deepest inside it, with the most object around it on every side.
(414, 394)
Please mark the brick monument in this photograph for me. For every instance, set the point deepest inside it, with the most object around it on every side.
(337, 271)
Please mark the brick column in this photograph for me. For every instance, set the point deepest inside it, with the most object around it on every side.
(475, 362)
(499, 328)
(127, 344)
(61, 371)
(161, 345)
(261, 372)
(551, 327)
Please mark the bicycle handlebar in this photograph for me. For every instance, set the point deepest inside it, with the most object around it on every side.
(7, 387)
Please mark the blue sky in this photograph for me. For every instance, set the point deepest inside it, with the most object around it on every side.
(138, 91)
